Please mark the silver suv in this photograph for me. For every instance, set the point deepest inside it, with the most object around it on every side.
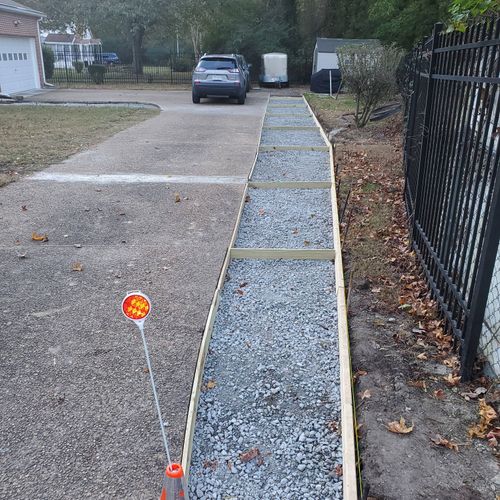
(219, 75)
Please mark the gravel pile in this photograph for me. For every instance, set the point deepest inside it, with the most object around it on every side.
(290, 121)
(292, 166)
(267, 418)
(286, 218)
(295, 101)
(292, 138)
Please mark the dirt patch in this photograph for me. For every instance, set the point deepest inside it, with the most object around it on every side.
(403, 359)
(33, 137)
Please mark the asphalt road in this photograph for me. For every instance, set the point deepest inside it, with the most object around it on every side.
(77, 416)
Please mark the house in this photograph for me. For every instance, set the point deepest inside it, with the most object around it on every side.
(21, 61)
(69, 48)
(325, 72)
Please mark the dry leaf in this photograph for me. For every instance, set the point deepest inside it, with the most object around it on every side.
(487, 416)
(366, 394)
(422, 356)
(210, 464)
(452, 380)
(338, 470)
(39, 237)
(244, 284)
(76, 266)
(247, 198)
(240, 292)
(333, 425)
(177, 197)
(307, 243)
(23, 208)
(360, 373)
(439, 394)
(493, 437)
(418, 383)
(474, 394)
(440, 441)
(262, 212)
(211, 384)
(399, 427)
(295, 231)
(249, 455)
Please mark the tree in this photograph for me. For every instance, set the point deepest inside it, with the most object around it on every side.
(369, 72)
(463, 10)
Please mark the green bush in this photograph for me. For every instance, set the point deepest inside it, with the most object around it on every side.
(97, 73)
(78, 65)
(48, 62)
(183, 65)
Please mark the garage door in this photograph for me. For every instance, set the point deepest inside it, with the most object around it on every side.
(18, 66)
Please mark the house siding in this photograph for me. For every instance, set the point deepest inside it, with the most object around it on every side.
(27, 27)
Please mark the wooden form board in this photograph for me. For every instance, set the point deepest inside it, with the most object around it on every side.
(282, 253)
(349, 478)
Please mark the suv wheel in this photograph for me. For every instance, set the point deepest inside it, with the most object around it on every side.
(196, 98)
(242, 97)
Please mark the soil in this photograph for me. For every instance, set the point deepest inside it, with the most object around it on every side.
(401, 354)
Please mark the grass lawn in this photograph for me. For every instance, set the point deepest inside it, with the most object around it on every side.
(34, 137)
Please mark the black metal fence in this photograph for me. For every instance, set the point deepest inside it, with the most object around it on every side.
(72, 68)
(452, 187)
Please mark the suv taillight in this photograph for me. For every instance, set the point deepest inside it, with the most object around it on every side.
(200, 70)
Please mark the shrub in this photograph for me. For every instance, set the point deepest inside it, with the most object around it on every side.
(78, 65)
(97, 72)
(369, 72)
(182, 65)
(48, 62)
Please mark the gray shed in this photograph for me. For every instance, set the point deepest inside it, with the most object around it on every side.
(325, 51)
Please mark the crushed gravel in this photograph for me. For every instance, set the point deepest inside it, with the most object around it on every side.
(287, 101)
(290, 121)
(288, 110)
(267, 419)
(292, 166)
(286, 218)
(292, 138)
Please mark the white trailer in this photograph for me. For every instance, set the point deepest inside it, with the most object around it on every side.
(274, 69)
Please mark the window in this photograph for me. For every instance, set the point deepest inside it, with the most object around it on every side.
(25, 56)
(15, 56)
(10, 56)
(217, 63)
(20, 56)
(4, 56)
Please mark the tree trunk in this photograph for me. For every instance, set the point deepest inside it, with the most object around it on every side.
(196, 39)
(137, 39)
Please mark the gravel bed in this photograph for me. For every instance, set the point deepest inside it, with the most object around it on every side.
(286, 218)
(271, 389)
(292, 166)
(292, 138)
(283, 110)
(290, 121)
(296, 101)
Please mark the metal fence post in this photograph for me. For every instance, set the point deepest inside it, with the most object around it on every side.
(425, 128)
(482, 285)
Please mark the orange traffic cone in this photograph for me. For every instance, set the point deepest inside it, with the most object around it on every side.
(173, 483)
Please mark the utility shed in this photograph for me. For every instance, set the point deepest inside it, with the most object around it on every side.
(326, 75)
(325, 51)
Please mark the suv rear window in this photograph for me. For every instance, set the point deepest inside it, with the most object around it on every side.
(217, 63)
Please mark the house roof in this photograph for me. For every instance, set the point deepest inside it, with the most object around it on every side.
(17, 8)
(59, 37)
(330, 45)
(70, 38)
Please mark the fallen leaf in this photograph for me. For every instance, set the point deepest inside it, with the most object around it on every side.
(247, 198)
(211, 384)
(177, 197)
(240, 292)
(452, 380)
(338, 470)
(23, 208)
(249, 455)
(487, 415)
(366, 394)
(399, 427)
(262, 212)
(307, 243)
(333, 425)
(210, 464)
(76, 266)
(474, 394)
(418, 383)
(440, 441)
(493, 437)
(295, 231)
(361, 373)
(422, 356)
(243, 284)
(439, 394)
(39, 237)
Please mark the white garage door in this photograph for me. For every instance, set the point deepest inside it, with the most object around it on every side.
(18, 66)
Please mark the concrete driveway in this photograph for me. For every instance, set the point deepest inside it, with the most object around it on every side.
(77, 415)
